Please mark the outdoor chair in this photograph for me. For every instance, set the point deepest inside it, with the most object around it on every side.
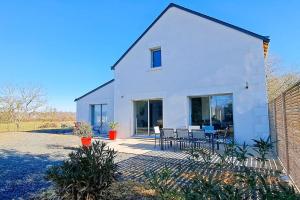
(156, 132)
(208, 128)
(168, 136)
(209, 131)
(223, 137)
(198, 137)
(182, 137)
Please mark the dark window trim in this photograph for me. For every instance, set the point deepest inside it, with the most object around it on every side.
(151, 52)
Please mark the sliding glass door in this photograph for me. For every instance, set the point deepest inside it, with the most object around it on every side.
(200, 114)
(99, 119)
(155, 114)
(142, 121)
(148, 113)
(215, 110)
(95, 115)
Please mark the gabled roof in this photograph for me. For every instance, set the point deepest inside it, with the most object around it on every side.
(264, 38)
(101, 86)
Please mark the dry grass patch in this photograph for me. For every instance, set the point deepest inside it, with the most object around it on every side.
(130, 190)
(33, 125)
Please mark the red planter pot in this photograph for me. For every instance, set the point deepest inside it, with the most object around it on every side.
(112, 134)
(86, 141)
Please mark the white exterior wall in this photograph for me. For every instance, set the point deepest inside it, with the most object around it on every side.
(199, 57)
(104, 95)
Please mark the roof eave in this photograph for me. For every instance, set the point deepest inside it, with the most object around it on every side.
(99, 87)
(266, 39)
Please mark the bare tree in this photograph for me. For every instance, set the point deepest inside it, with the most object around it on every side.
(20, 102)
(50, 114)
(277, 80)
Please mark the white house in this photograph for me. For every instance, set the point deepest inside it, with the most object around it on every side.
(185, 69)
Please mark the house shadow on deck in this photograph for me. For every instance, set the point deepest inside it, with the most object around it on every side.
(138, 155)
(133, 167)
(146, 147)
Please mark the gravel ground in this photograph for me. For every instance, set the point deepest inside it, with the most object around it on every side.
(22, 174)
(24, 158)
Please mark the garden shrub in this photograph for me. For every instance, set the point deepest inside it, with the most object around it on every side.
(162, 181)
(202, 188)
(263, 148)
(250, 186)
(66, 126)
(125, 190)
(48, 125)
(86, 174)
(83, 129)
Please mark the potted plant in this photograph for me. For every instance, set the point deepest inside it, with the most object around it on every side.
(84, 130)
(112, 132)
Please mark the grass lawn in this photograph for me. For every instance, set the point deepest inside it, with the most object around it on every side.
(32, 125)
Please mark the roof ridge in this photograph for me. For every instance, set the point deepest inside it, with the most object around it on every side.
(264, 38)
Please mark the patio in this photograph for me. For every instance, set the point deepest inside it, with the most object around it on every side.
(144, 149)
(24, 157)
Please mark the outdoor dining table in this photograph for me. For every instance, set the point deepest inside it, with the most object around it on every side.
(212, 134)
(161, 140)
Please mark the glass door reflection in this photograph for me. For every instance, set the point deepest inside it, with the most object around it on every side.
(214, 110)
(155, 115)
(141, 112)
(148, 113)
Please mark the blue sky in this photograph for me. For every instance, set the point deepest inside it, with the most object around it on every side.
(68, 46)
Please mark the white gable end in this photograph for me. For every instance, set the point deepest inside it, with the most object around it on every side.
(191, 47)
(199, 57)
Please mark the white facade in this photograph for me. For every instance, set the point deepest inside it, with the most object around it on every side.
(199, 57)
(104, 95)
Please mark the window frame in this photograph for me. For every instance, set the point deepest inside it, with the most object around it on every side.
(152, 50)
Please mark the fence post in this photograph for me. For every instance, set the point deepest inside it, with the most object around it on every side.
(285, 133)
(275, 125)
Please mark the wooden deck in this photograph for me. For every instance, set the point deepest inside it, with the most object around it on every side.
(135, 156)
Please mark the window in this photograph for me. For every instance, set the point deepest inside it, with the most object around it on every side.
(213, 110)
(156, 58)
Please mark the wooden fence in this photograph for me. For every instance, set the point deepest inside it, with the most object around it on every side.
(284, 114)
